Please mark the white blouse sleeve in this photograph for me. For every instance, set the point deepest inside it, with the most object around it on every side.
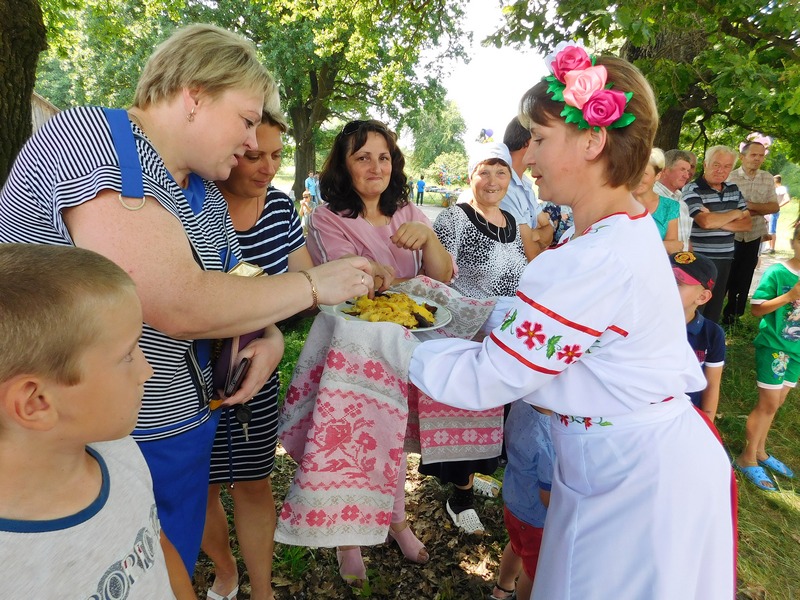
(567, 299)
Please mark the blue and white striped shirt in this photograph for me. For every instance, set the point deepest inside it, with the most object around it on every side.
(69, 161)
(713, 243)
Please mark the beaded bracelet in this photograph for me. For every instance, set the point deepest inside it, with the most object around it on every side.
(314, 296)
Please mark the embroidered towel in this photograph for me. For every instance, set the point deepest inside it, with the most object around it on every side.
(346, 420)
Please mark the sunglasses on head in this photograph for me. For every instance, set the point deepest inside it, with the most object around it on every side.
(352, 127)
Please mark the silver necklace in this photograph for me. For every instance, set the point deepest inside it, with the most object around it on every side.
(386, 220)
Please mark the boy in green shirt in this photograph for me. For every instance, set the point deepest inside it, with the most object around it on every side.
(777, 345)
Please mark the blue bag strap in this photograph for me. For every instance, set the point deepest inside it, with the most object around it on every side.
(129, 165)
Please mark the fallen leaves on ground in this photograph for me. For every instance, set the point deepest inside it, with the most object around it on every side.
(461, 567)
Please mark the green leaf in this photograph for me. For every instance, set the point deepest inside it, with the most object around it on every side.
(552, 345)
(625, 120)
(509, 320)
(555, 88)
(573, 115)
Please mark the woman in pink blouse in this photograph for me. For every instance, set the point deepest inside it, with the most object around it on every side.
(367, 214)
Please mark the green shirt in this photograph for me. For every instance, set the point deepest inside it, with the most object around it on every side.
(780, 329)
(667, 211)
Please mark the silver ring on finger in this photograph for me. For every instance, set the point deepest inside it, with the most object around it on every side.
(362, 280)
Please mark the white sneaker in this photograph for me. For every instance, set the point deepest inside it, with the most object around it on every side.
(467, 520)
(486, 486)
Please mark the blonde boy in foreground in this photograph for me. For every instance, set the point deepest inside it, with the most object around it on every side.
(77, 513)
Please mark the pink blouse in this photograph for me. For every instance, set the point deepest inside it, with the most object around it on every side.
(331, 236)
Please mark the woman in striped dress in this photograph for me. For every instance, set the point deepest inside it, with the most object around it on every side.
(270, 236)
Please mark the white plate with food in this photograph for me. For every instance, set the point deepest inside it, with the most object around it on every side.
(393, 307)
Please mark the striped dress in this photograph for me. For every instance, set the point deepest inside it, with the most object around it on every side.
(275, 235)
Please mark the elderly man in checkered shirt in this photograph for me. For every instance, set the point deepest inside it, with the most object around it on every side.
(758, 189)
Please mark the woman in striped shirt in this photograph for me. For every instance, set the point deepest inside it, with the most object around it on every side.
(270, 236)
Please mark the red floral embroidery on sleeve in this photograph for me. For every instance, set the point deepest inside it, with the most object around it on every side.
(570, 354)
(587, 422)
(531, 333)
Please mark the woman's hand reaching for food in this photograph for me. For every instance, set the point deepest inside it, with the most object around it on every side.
(339, 280)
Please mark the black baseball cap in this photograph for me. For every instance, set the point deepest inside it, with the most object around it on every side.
(693, 269)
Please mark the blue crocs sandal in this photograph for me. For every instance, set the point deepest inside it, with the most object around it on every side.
(776, 466)
(758, 477)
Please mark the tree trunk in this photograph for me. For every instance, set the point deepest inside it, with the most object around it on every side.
(306, 117)
(22, 38)
(305, 149)
(668, 135)
(678, 46)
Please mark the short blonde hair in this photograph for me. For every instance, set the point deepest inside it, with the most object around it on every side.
(657, 160)
(206, 57)
(49, 297)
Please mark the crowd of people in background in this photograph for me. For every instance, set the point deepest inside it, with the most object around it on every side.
(611, 290)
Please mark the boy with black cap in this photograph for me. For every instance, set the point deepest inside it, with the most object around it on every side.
(695, 275)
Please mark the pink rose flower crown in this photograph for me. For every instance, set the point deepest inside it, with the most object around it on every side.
(589, 100)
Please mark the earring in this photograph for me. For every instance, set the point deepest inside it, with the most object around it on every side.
(190, 116)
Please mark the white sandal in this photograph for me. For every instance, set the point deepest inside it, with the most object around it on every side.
(467, 520)
(210, 595)
(486, 486)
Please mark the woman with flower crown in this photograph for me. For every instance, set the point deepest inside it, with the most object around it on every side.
(641, 503)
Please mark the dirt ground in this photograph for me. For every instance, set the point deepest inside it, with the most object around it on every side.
(462, 567)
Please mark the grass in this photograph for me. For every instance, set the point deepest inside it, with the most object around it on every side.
(283, 180)
(769, 523)
(294, 336)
